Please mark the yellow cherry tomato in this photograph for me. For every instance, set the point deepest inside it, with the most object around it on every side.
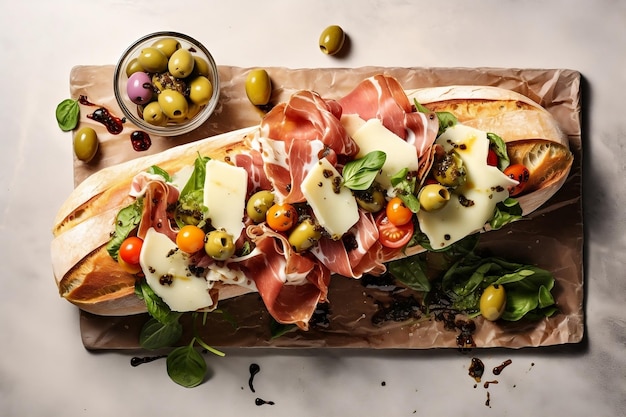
(190, 239)
(281, 217)
(397, 212)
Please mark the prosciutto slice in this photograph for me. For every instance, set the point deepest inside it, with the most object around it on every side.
(383, 97)
(295, 135)
(158, 199)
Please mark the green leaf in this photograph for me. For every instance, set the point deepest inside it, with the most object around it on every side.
(190, 208)
(186, 366)
(126, 221)
(499, 147)
(359, 174)
(67, 114)
(506, 212)
(279, 329)
(196, 180)
(446, 119)
(411, 272)
(404, 186)
(154, 169)
(157, 308)
(157, 335)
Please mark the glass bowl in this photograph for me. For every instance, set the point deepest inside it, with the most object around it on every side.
(197, 114)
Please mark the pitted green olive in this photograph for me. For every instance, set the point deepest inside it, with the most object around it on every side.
(173, 104)
(152, 60)
(153, 114)
(258, 87)
(167, 45)
(372, 200)
(200, 90)
(449, 170)
(219, 245)
(200, 67)
(181, 63)
(133, 67)
(304, 236)
(86, 144)
(332, 39)
(433, 197)
(258, 205)
(493, 302)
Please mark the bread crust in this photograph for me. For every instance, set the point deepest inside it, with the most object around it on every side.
(89, 278)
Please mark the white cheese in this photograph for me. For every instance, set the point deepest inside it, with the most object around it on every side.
(160, 259)
(181, 177)
(334, 206)
(484, 188)
(225, 188)
(374, 136)
(351, 123)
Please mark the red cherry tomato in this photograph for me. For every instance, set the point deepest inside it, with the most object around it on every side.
(392, 236)
(281, 217)
(131, 269)
(190, 239)
(397, 212)
(492, 158)
(519, 173)
(130, 250)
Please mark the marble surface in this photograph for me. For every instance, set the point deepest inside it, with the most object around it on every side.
(44, 369)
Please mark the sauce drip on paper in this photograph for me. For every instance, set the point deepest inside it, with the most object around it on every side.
(113, 124)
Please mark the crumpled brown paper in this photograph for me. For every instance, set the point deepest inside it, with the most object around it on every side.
(551, 237)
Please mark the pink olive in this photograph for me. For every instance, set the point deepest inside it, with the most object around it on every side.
(139, 88)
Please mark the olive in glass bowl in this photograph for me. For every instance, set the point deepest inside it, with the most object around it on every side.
(166, 83)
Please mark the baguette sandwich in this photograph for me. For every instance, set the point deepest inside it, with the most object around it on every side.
(354, 182)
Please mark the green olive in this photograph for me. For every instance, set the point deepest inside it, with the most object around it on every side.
(258, 87)
(219, 245)
(86, 144)
(372, 200)
(200, 90)
(258, 205)
(332, 40)
(192, 110)
(181, 63)
(200, 67)
(153, 114)
(449, 170)
(167, 45)
(173, 104)
(133, 67)
(304, 236)
(152, 60)
(493, 302)
(433, 197)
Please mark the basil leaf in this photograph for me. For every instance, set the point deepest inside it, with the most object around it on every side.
(499, 147)
(67, 114)
(190, 208)
(157, 335)
(506, 212)
(186, 366)
(446, 119)
(126, 221)
(404, 186)
(411, 272)
(154, 169)
(157, 308)
(196, 180)
(359, 174)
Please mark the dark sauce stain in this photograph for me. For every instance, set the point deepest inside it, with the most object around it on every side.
(254, 369)
(113, 124)
(382, 384)
(487, 383)
(476, 369)
(140, 140)
(498, 369)
(137, 360)
(260, 402)
(488, 402)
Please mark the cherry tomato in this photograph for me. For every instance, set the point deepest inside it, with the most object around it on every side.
(281, 217)
(398, 213)
(519, 173)
(190, 239)
(131, 269)
(393, 236)
(130, 250)
(492, 158)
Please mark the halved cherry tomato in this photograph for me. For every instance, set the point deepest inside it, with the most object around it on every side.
(281, 217)
(393, 236)
(519, 173)
(190, 239)
(397, 212)
(492, 158)
(130, 250)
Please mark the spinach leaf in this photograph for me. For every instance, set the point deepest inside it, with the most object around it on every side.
(157, 335)
(410, 271)
(499, 147)
(126, 221)
(359, 174)
(67, 114)
(157, 308)
(154, 169)
(506, 212)
(196, 180)
(186, 366)
(404, 185)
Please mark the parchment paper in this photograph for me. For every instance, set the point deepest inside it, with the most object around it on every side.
(551, 237)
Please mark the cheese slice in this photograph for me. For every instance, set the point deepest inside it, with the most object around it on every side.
(351, 123)
(472, 204)
(225, 188)
(373, 136)
(167, 272)
(334, 206)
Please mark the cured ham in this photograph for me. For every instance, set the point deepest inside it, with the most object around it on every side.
(158, 198)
